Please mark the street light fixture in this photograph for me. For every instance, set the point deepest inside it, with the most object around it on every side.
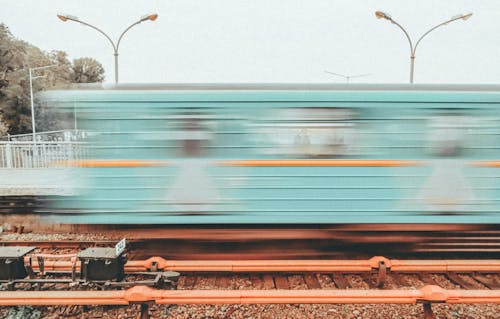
(150, 17)
(31, 71)
(348, 77)
(413, 49)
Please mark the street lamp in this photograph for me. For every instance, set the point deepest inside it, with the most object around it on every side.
(31, 71)
(413, 49)
(348, 77)
(151, 17)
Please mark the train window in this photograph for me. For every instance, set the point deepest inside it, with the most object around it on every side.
(447, 134)
(193, 134)
(309, 132)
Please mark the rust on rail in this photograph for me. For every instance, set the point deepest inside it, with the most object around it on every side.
(141, 294)
(365, 265)
(317, 265)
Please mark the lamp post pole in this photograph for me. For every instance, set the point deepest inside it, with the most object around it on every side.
(31, 71)
(32, 107)
(413, 49)
(151, 17)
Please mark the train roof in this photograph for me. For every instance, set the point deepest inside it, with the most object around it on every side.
(464, 94)
(285, 87)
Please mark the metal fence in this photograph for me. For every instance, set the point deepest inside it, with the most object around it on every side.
(40, 154)
(49, 136)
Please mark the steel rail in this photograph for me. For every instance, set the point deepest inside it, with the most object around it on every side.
(143, 294)
(365, 265)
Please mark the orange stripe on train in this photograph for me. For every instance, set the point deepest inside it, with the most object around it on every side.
(487, 164)
(260, 163)
(113, 163)
(381, 163)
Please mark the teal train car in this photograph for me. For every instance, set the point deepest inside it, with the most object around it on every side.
(285, 154)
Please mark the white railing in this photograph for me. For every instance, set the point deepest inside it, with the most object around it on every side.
(48, 136)
(40, 154)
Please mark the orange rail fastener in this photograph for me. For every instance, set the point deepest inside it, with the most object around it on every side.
(142, 294)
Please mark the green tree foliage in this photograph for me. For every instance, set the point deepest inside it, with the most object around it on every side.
(11, 61)
(16, 57)
(10, 55)
(87, 70)
(3, 128)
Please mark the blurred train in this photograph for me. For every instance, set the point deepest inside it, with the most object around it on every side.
(284, 154)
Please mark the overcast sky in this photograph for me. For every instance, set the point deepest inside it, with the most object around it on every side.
(270, 40)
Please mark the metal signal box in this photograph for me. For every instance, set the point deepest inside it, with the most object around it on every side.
(12, 262)
(102, 264)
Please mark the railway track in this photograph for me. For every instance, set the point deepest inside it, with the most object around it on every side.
(219, 289)
(234, 282)
(377, 280)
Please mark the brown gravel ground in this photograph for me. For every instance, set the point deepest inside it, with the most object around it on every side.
(295, 311)
(62, 236)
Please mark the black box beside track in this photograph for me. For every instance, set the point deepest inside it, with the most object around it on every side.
(12, 262)
(101, 264)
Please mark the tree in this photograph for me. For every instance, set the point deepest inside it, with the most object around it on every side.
(11, 55)
(87, 70)
(11, 61)
(3, 128)
(16, 57)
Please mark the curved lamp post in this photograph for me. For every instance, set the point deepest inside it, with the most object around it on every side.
(151, 17)
(413, 49)
(348, 77)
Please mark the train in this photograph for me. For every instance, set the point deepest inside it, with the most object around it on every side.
(272, 154)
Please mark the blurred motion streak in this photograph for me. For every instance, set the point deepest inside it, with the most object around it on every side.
(224, 154)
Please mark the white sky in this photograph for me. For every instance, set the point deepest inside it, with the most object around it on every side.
(270, 40)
